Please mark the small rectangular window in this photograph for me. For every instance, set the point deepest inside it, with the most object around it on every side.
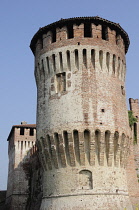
(54, 35)
(31, 133)
(105, 33)
(87, 30)
(61, 82)
(70, 31)
(21, 131)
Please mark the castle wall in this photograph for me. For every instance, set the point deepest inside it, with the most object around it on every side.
(34, 173)
(133, 162)
(20, 142)
(132, 179)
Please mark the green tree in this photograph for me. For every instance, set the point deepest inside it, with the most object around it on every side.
(132, 119)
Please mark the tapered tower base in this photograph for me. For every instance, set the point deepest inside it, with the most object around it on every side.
(87, 202)
(86, 188)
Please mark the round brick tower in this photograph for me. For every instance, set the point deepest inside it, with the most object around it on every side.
(83, 132)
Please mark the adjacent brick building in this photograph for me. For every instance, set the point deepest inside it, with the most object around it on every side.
(24, 167)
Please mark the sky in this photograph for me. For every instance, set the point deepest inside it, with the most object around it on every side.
(19, 21)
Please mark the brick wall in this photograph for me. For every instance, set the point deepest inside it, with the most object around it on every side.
(94, 103)
(19, 154)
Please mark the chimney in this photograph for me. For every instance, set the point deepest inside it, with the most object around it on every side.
(23, 123)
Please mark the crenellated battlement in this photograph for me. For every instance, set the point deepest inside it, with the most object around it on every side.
(84, 149)
(21, 149)
(79, 30)
(24, 138)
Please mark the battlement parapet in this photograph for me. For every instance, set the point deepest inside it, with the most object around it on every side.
(73, 30)
(131, 100)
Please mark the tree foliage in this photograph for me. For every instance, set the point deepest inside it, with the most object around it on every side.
(132, 119)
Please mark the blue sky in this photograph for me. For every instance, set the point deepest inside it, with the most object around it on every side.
(19, 21)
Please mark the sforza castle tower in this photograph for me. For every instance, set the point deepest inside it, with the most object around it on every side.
(83, 132)
(83, 137)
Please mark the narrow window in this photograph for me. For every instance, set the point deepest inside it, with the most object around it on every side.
(54, 35)
(31, 132)
(105, 32)
(135, 132)
(18, 144)
(54, 62)
(114, 63)
(76, 59)
(101, 58)
(68, 60)
(118, 70)
(87, 30)
(93, 58)
(48, 65)
(87, 144)
(107, 144)
(97, 144)
(116, 137)
(66, 142)
(61, 61)
(76, 145)
(108, 60)
(25, 144)
(61, 82)
(85, 57)
(70, 31)
(21, 131)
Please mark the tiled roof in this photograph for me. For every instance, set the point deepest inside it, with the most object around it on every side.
(25, 126)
